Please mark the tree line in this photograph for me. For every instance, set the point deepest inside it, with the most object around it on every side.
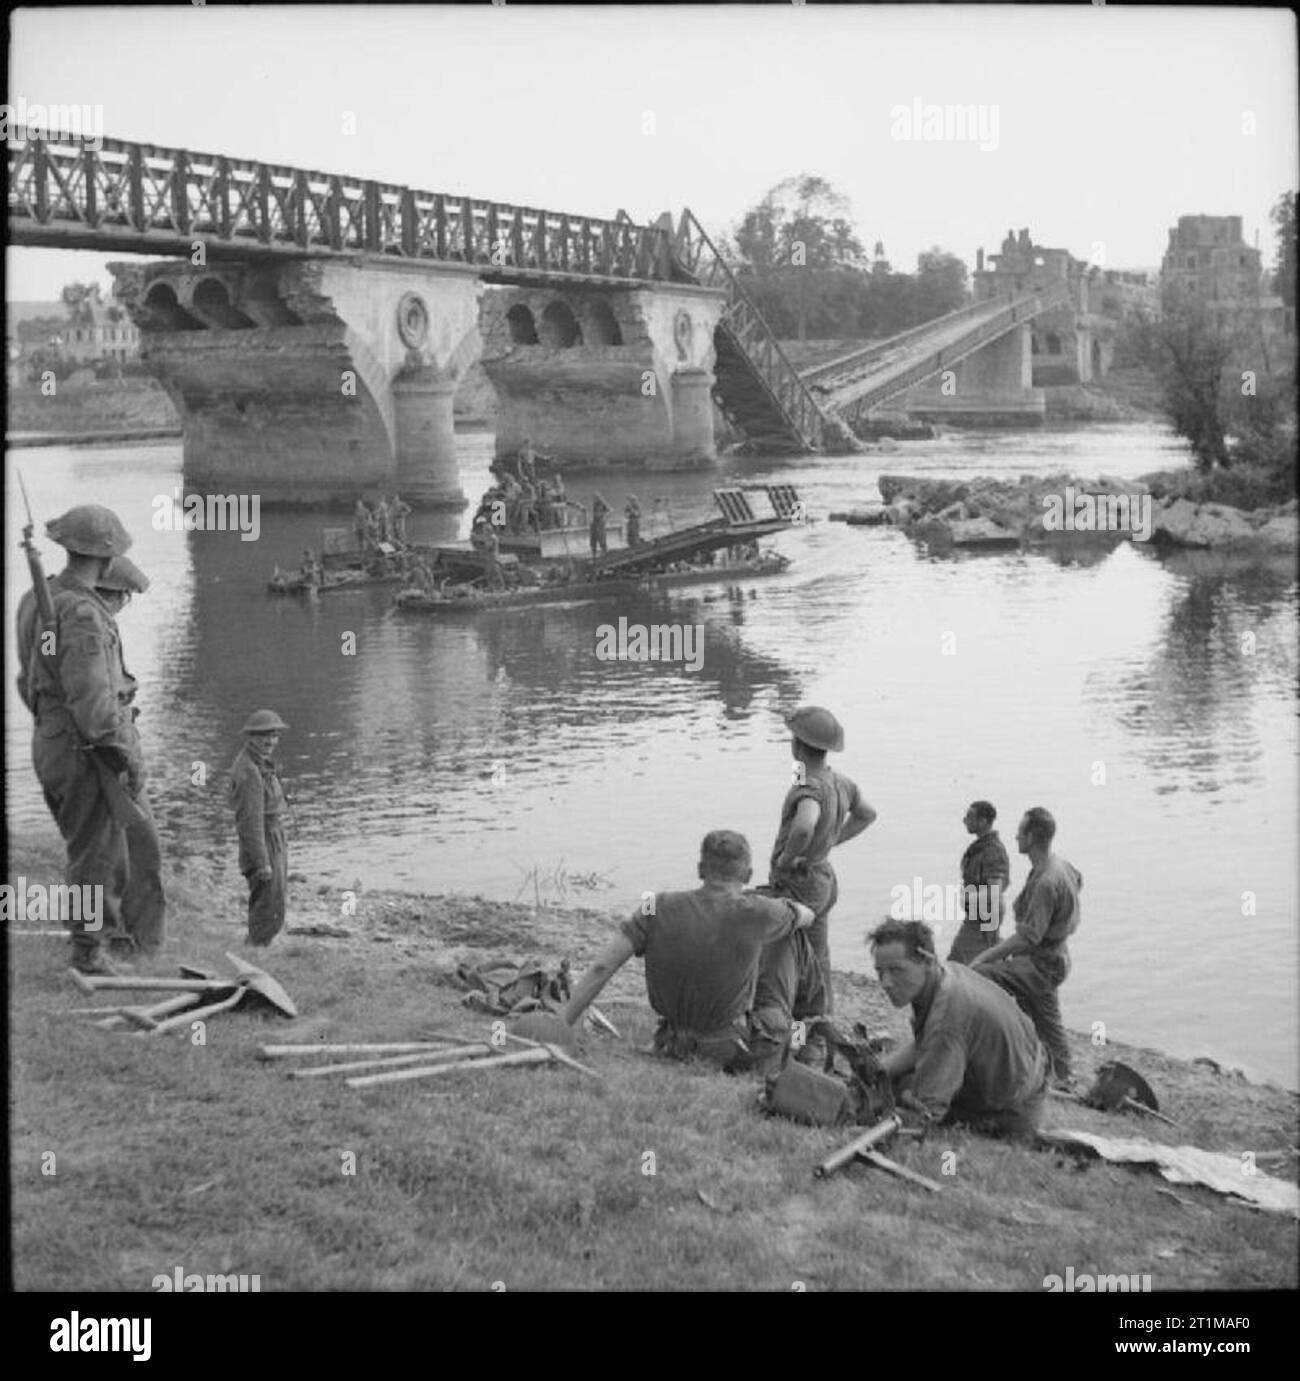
(800, 261)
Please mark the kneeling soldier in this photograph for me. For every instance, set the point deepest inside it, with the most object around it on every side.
(258, 798)
(974, 1056)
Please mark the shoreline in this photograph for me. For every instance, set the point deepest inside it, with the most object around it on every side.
(538, 1179)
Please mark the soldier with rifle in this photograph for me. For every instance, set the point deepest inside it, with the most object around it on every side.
(85, 747)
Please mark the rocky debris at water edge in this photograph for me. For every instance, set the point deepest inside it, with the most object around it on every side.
(985, 511)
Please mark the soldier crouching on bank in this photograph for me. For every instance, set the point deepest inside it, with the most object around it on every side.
(258, 798)
(974, 1056)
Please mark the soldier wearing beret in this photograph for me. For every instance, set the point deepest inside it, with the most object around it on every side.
(258, 799)
(85, 748)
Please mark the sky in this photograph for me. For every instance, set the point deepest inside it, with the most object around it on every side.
(1100, 126)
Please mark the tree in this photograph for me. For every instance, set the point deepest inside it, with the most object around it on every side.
(940, 284)
(799, 233)
(1283, 218)
(75, 295)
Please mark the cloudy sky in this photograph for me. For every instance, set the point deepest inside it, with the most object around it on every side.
(1101, 126)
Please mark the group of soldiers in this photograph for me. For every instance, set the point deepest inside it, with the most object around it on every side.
(730, 970)
(90, 763)
(382, 521)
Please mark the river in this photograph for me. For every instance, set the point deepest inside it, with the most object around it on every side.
(499, 756)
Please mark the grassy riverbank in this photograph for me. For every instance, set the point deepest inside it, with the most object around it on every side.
(172, 1155)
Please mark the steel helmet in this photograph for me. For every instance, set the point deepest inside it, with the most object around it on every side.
(816, 727)
(264, 722)
(90, 530)
(123, 574)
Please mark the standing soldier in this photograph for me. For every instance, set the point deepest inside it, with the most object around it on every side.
(632, 512)
(599, 508)
(144, 907)
(84, 748)
(1033, 963)
(820, 810)
(258, 798)
(985, 882)
(362, 525)
(397, 514)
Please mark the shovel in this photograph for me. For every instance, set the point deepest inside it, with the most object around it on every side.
(260, 982)
(93, 984)
(198, 1013)
(1119, 1086)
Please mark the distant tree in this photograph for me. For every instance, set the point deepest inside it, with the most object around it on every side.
(40, 330)
(798, 241)
(1218, 389)
(940, 284)
(74, 297)
(1283, 218)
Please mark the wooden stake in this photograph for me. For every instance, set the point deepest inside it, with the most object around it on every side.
(394, 1076)
(560, 1054)
(389, 1061)
(271, 1052)
(875, 1158)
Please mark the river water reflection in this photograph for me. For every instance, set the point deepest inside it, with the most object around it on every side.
(460, 754)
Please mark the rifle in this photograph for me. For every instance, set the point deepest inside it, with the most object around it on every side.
(123, 809)
(865, 1147)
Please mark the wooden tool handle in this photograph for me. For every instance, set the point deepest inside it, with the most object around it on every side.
(196, 1014)
(393, 1076)
(148, 1016)
(450, 1056)
(846, 1154)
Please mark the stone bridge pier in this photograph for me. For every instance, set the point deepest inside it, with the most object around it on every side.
(993, 387)
(308, 381)
(604, 375)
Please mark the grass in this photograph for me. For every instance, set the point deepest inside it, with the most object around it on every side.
(170, 1154)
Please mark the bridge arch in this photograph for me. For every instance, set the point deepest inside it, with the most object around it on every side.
(523, 325)
(559, 327)
(211, 300)
(162, 306)
(601, 325)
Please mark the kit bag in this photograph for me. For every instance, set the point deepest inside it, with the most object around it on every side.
(827, 1098)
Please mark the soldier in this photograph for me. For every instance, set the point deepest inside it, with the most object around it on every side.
(985, 881)
(384, 519)
(397, 516)
(258, 799)
(143, 904)
(632, 512)
(599, 509)
(820, 810)
(363, 525)
(705, 951)
(84, 744)
(311, 571)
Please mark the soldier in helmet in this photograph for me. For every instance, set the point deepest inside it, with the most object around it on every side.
(141, 888)
(258, 798)
(85, 748)
(822, 809)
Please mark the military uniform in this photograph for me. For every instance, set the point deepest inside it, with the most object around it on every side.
(77, 693)
(978, 1059)
(143, 902)
(814, 882)
(983, 865)
(258, 799)
(597, 533)
(1047, 913)
(706, 953)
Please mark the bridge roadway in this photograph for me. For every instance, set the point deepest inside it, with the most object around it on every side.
(852, 384)
(152, 200)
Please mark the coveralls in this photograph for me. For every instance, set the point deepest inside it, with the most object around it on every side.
(258, 798)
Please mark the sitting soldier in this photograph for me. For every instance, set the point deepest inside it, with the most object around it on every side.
(705, 951)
